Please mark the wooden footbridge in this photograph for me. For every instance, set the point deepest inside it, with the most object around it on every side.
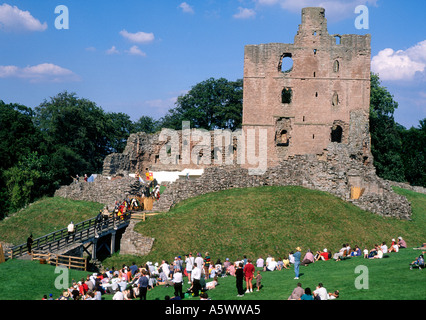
(86, 234)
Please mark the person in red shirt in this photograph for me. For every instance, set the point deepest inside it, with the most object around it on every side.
(323, 255)
(249, 274)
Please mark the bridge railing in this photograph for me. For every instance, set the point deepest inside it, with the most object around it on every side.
(84, 231)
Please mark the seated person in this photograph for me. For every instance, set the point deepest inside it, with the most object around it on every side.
(333, 295)
(271, 266)
(342, 252)
(286, 263)
(212, 284)
(401, 243)
(379, 254)
(322, 255)
(418, 263)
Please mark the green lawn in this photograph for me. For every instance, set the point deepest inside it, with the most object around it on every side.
(237, 222)
(387, 279)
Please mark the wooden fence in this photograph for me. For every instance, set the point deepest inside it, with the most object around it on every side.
(61, 260)
(84, 231)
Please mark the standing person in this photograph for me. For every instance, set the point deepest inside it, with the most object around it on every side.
(239, 274)
(249, 274)
(297, 255)
(258, 280)
(143, 285)
(189, 261)
(206, 265)
(30, 243)
(196, 277)
(98, 223)
(71, 229)
(178, 282)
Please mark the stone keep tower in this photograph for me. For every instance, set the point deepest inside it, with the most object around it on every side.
(322, 98)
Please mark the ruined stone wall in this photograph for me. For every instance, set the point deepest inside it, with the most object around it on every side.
(328, 82)
(102, 190)
(336, 175)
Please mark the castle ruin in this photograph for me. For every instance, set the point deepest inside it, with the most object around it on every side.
(311, 99)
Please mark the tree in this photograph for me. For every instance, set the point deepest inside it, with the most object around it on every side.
(28, 180)
(413, 154)
(78, 125)
(386, 144)
(118, 129)
(146, 124)
(211, 104)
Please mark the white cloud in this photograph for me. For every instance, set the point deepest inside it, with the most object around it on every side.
(401, 64)
(39, 73)
(136, 51)
(138, 37)
(186, 8)
(112, 50)
(244, 13)
(14, 19)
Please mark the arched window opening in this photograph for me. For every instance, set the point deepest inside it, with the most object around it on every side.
(335, 100)
(286, 95)
(336, 66)
(286, 63)
(338, 39)
(336, 134)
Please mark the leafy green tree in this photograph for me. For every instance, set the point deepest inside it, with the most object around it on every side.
(413, 154)
(28, 180)
(210, 104)
(18, 135)
(118, 129)
(76, 124)
(386, 143)
(146, 124)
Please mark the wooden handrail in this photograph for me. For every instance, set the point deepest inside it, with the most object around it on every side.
(83, 231)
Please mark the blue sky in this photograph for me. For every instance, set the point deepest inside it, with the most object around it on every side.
(137, 57)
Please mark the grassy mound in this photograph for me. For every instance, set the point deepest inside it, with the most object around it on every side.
(45, 216)
(273, 220)
(237, 222)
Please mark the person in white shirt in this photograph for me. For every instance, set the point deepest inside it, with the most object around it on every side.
(321, 292)
(195, 277)
(259, 262)
(272, 265)
(189, 261)
(384, 247)
(165, 267)
(177, 283)
(118, 296)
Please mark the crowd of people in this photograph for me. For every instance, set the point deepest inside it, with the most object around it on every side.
(202, 274)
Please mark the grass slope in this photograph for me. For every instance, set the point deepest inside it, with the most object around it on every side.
(273, 220)
(45, 216)
(236, 222)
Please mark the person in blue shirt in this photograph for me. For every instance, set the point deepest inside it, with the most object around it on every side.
(143, 285)
(307, 295)
(297, 256)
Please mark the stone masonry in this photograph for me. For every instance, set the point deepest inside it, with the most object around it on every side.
(316, 117)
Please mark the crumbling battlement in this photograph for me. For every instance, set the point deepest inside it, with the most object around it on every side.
(305, 94)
